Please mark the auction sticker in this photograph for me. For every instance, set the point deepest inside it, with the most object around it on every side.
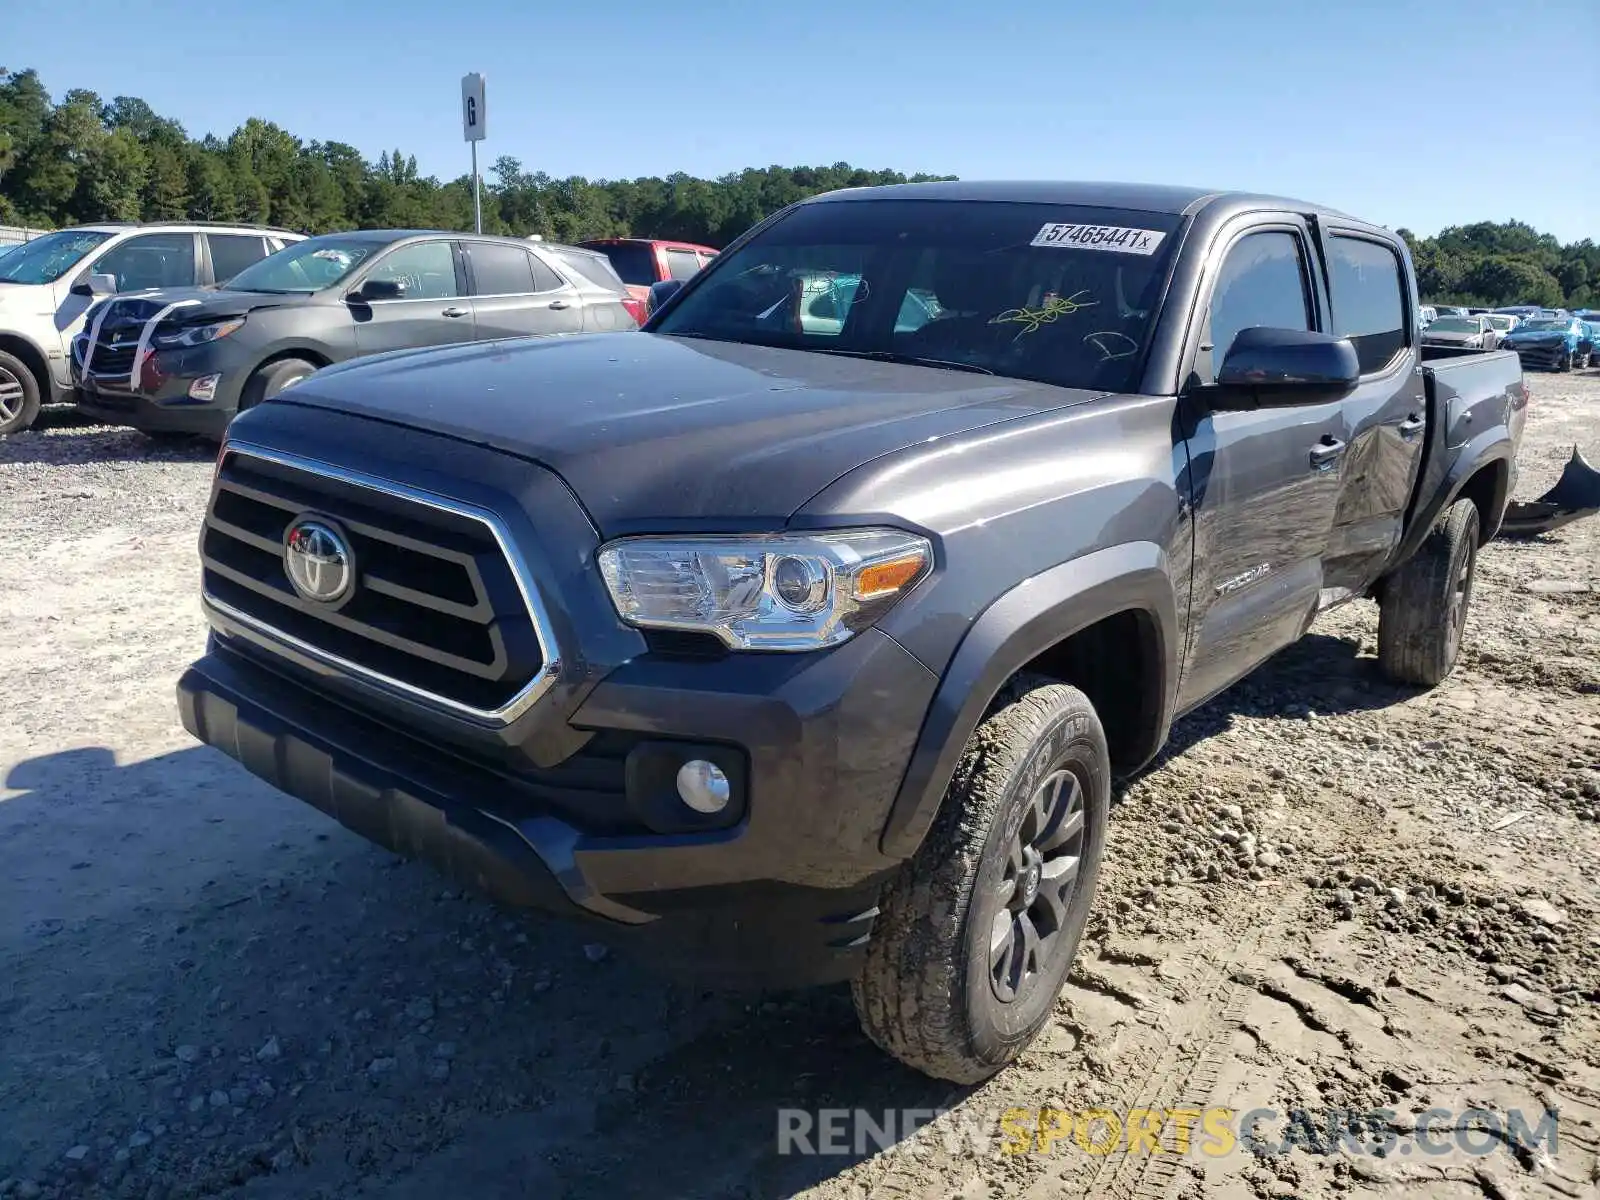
(1099, 237)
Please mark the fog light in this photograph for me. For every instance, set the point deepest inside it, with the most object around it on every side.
(204, 388)
(703, 786)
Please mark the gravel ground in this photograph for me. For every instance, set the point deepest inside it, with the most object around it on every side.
(1329, 892)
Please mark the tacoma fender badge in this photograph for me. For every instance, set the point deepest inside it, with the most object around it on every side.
(1244, 580)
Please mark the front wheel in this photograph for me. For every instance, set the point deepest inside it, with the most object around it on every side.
(977, 934)
(1564, 361)
(1425, 603)
(19, 395)
(273, 378)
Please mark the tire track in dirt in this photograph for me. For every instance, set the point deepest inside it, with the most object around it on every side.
(1174, 1062)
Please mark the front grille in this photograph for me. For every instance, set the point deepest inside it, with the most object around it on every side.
(112, 360)
(119, 332)
(436, 611)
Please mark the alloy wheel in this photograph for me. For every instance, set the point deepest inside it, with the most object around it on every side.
(1036, 886)
(10, 396)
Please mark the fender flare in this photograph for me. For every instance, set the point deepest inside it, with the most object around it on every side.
(1021, 624)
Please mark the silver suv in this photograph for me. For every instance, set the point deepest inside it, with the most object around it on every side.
(46, 286)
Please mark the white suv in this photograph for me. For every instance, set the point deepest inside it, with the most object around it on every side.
(47, 284)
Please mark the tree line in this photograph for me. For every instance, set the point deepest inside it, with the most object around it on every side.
(88, 159)
(1505, 263)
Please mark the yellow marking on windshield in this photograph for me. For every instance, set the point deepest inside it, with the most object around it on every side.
(1054, 308)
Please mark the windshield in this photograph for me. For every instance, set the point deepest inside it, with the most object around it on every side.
(307, 266)
(634, 261)
(1501, 322)
(1545, 326)
(1057, 294)
(46, 259)
(1454, 325)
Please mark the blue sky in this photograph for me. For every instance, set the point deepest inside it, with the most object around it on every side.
(1406, 113)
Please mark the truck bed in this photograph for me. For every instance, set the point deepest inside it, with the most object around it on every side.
(1468, 390)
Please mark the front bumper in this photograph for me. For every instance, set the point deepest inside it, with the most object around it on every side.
(1544, 356)
(162, 402)
(703, 906)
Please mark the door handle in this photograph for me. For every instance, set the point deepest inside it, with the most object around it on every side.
(558, 305)
(1411, 426)
(1325, 453)
(457, 312)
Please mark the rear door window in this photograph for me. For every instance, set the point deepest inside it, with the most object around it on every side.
(545, 278)
(1368, 290)
(233, 252)
(635, 261)
(595, 268)
(682, 264)
(500, 270)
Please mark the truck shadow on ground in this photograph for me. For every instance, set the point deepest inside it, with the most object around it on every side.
(423, 1041)
(303, 1014)
(1319, 675)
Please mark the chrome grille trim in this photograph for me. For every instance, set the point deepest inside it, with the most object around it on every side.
(524, 699)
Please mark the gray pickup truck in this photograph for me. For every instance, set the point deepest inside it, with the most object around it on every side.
(794, 651)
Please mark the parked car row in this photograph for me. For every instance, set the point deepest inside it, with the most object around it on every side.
(186, 361)
(1555, 343)
(1550, 339)
(48, 284)
(176, 327)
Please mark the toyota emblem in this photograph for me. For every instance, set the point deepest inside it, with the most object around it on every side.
(318, 561)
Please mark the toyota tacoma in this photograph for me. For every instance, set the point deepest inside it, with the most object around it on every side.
(794, 651)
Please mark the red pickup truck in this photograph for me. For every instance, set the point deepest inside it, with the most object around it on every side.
(643, 261)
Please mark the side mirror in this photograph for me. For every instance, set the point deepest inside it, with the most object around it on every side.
(1270, 367)
(378, 289)
(660, 293)
(95, 285)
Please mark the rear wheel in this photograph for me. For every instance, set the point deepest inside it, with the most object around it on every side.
(1424, 607)
(270, 380)
(978, 932)
(19, 395)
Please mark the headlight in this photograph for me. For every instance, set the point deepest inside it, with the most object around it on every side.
(196, 335)
(799, 591)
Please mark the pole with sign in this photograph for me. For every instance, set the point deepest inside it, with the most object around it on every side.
(473, 125)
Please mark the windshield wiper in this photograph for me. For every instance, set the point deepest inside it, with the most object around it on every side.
(912, 359)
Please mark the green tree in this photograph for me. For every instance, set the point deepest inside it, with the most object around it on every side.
(111, 179)
(211, 194)
(1498, 279)
(166, 185)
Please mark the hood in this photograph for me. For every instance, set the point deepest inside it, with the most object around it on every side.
(1448, 335)
(197, 302)
(1538, 335)
(649, 430)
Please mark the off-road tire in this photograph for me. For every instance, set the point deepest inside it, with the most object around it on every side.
(273, 378)
(21, 390)
(925, 994)
(1426, 602)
